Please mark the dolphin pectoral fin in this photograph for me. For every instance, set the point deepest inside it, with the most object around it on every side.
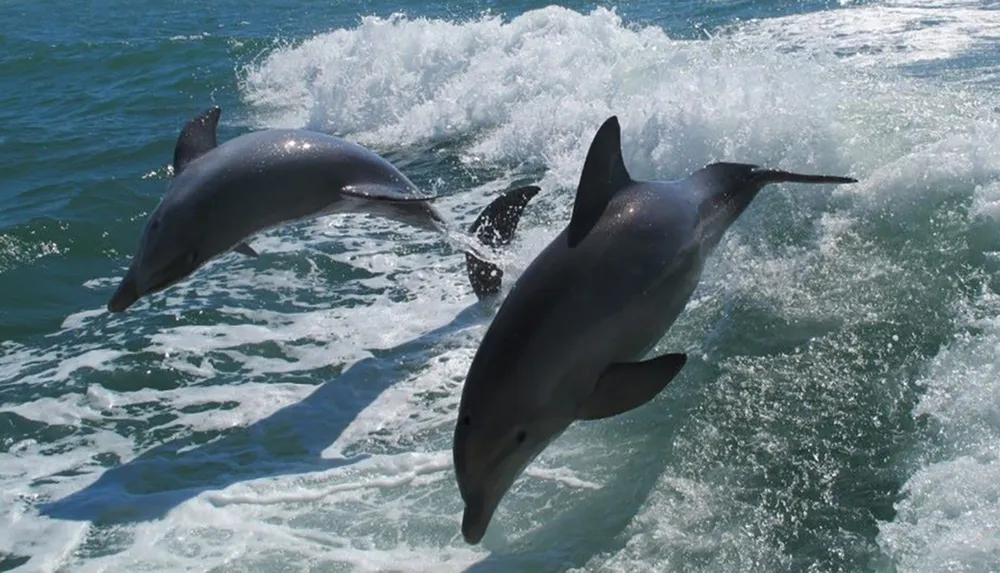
(604, 174)
(197, 138)
(380, 192)
(628, 385)
(495, 227)
(245, 249)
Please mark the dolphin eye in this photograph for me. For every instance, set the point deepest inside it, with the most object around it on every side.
(521, 436)
(192, 257)
(466, 420)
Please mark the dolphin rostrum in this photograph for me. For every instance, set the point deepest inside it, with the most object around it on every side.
(569, 340)
(222, 195)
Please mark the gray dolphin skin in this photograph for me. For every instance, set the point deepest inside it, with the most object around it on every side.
(569, 340)
(221, 195)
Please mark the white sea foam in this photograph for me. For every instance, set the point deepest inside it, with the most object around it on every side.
(949, 519)
(533, 90)
(893, 33)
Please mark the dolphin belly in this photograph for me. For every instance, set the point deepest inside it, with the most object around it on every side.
(658, 310)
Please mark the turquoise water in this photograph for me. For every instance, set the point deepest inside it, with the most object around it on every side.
(841, 410)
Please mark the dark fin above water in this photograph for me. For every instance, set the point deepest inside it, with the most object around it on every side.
(245, 249)
(627, 385)
(495, 227)
(379, 192)
(604, 174)
(197, 138)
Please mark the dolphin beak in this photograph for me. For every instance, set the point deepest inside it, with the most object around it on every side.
(126, 294)
(476, 518)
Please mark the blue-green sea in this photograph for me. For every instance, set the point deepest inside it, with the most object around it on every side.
(840, 409)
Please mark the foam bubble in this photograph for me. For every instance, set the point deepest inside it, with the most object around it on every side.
(533, 90)
(900, 33)
(949, 517)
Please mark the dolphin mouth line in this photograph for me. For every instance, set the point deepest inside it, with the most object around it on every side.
(159, 283)
(168, 276)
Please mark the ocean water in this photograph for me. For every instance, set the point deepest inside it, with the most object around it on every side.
(841, 408)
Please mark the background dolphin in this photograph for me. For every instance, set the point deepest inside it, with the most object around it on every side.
(566, 342)
(223, 194)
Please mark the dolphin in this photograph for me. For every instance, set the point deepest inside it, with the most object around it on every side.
(221, 195)
(568, 341)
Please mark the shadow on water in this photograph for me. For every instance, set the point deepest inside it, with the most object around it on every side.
(288, 442)
(291, 440)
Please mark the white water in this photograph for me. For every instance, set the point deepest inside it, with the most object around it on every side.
(675, 487)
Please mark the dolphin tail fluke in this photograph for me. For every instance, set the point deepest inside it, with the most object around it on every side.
(766, 176)
(495, 227)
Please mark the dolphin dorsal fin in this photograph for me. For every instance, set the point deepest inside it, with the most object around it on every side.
(604, 174)
(197, 138)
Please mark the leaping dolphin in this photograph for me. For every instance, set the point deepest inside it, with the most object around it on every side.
(569, 340)
(222, 195)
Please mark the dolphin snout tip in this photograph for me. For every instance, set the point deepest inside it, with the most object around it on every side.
(125, 295)
(473, 525)
(476, 519)
(120, 303)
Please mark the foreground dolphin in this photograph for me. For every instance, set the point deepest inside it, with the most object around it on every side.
(222, 195)
(567, 342)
